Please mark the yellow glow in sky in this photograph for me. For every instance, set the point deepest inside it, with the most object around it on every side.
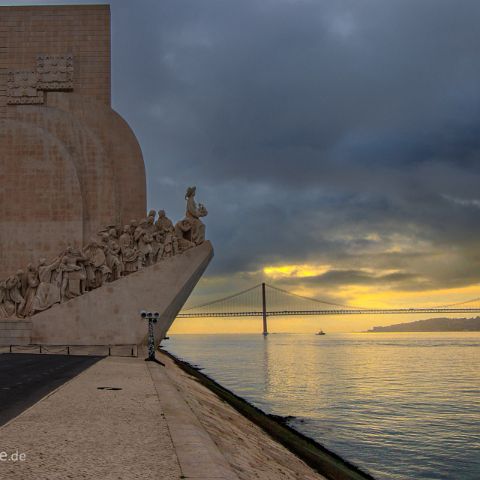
(355, 295)
(295, 271)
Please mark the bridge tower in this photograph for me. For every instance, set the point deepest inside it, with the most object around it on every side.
(264, 310)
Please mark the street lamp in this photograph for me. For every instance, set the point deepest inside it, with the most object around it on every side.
(152, 318)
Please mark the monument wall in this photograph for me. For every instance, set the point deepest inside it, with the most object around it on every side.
(69, 164)
(110, 315)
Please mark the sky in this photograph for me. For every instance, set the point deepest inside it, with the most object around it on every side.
(335, 143)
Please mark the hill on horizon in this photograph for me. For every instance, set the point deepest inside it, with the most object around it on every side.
(433, 325)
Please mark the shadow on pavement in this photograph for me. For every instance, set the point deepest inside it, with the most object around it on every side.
(26, 378)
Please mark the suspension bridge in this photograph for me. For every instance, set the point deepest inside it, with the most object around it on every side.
(265, 301)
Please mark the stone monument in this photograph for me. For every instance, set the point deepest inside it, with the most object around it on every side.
(69, 164)
(75, 269)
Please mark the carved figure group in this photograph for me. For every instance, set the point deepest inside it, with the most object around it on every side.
(115, 252)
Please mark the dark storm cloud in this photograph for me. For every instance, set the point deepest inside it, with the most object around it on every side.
(335, 131)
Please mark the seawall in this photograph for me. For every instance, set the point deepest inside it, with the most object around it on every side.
(319, 458)
(126, 418)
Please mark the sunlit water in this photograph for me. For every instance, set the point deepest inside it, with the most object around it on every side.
(401, 406)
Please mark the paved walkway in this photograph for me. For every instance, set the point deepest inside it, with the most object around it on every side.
(81, 432)
(26, 378)
(124, 418)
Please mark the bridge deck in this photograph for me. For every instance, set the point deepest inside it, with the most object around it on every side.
(373, 311)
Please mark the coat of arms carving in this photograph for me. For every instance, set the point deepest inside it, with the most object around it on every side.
(55, 72)
(23, 88)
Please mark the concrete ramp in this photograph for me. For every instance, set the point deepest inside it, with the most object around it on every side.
(110, 315)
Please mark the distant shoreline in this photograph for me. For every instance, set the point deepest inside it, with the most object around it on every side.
(419, 331)
(432, 325)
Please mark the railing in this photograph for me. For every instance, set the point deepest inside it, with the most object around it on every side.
(117, 350)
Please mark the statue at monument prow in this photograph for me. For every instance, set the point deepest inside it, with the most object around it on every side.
(116, 251)
(191, 230)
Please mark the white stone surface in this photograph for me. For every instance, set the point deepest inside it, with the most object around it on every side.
(111, 314)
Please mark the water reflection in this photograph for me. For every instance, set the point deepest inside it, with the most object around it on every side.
(400, 405)
(266, 367)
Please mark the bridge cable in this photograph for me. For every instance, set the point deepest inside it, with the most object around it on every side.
(316, 299)
(230, 297)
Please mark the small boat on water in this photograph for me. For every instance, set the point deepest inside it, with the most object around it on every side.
(321, 332)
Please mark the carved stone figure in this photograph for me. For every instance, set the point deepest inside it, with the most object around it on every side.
(164, 224)
(152, 214)
(128, 251)
(32, 282)
(176, 250)
(74, 274)
(112, 252)
(143, 241)
(156, 240)
(133, 227)
(3, 297)
(48, 291)
(170, 246)
(194, 213)
(106, 258)
(158, 246)
(150, 226)
(14, 293)
(70, 284)
(97, 270)
(183, 233)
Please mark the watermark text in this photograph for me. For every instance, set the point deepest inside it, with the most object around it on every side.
(15, 456)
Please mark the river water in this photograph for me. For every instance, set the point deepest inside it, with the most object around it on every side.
(400, 406)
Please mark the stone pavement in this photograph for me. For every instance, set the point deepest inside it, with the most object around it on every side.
(124, 418)
(115, 420)
(198, 456)
(26, 378)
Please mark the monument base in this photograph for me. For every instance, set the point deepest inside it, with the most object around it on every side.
(110, 315)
